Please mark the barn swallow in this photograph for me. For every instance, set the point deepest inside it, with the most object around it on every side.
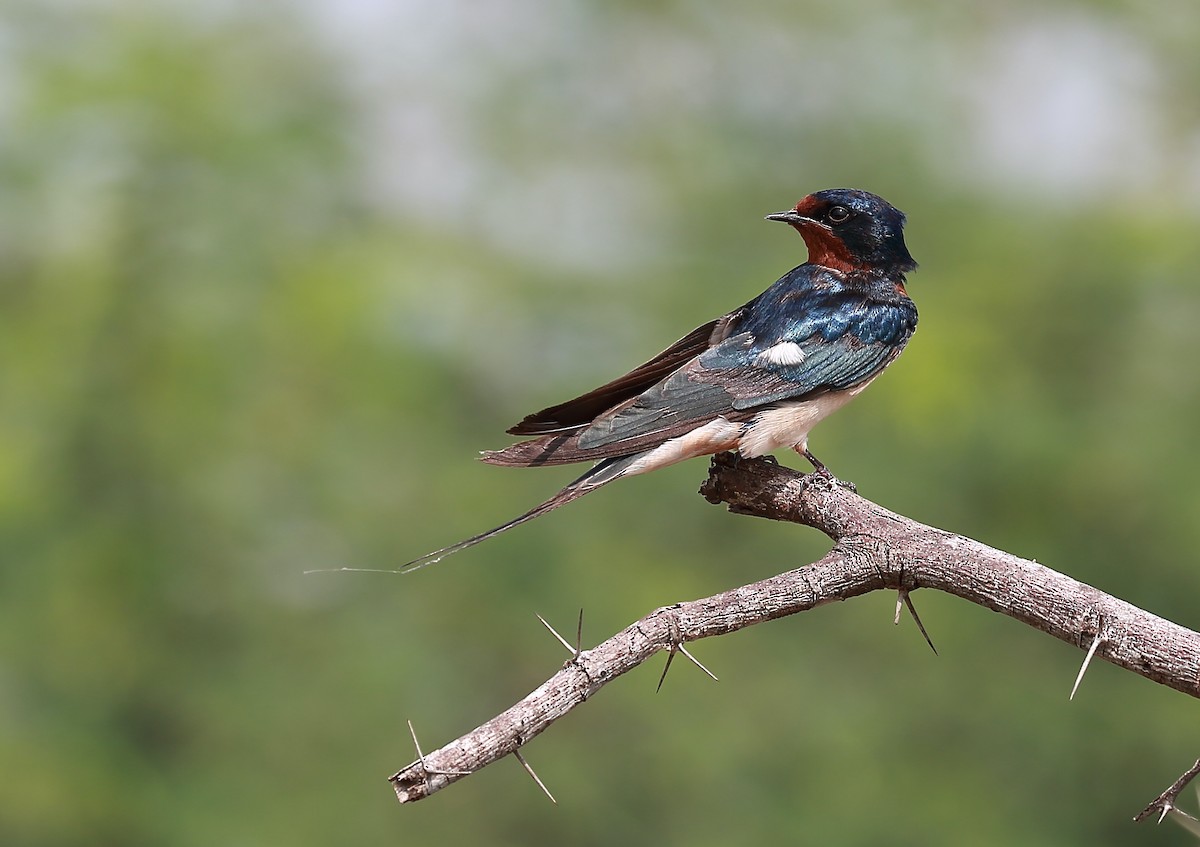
(755, 380)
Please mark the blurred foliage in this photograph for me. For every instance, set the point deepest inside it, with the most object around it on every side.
(271, 273)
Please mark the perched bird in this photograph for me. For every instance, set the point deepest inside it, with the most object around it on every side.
(754, 380)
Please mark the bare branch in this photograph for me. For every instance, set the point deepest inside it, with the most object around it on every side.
(873, 549)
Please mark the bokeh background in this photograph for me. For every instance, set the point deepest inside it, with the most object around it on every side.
(271, 273)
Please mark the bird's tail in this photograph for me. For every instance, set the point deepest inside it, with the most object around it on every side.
(601, 474)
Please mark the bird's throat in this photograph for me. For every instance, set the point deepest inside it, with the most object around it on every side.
(825, 249)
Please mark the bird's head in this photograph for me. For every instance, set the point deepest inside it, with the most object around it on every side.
(851, 230)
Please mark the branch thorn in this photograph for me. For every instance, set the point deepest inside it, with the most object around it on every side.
(533, 775)
(903, 599)
(677, 647)
(574, 651)
(1087, 660)
(666, 667)
(420, 757)
(425, 769)
(697, 662)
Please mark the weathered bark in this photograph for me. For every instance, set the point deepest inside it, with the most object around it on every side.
(873, 549)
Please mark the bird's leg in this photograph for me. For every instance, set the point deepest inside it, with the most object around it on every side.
(821, 470)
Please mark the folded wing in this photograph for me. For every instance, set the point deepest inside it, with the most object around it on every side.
(733, 380)
(581, 411)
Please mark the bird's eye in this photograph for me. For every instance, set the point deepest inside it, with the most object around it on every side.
(838, 215)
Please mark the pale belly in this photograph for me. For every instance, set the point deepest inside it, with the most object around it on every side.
(783, 425)
(788, 424)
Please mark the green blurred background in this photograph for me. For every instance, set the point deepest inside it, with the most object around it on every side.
(273, 272)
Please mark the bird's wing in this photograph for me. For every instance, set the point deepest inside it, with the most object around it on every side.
(824, 365)
(739, 375)
(583, 410)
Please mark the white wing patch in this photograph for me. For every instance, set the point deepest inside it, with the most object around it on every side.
(783, 353)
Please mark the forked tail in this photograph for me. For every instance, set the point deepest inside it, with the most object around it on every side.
(601, 474)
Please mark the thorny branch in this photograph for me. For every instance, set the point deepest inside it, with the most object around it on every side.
(873, 549)
(1164, 803)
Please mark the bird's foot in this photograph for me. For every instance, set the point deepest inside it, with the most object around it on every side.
(819, 469)
(826, 474)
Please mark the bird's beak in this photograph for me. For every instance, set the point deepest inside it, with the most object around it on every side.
(791, 216)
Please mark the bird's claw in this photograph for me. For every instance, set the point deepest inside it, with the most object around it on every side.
(823, 472)
(827, 475)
